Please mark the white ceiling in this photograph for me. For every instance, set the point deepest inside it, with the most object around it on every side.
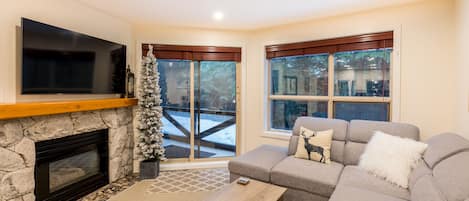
(238, 14)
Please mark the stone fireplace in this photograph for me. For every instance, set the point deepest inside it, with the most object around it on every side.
(19, 138)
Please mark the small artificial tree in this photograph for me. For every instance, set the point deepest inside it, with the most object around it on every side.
(150, 141)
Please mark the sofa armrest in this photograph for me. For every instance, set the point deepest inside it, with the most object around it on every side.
(259, 162)
(292, 145)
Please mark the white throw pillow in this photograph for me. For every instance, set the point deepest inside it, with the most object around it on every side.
(392, 157)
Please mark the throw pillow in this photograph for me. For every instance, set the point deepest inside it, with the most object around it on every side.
(314, 145)
(392, 157)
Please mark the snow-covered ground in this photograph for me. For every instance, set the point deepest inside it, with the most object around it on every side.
(226, 136)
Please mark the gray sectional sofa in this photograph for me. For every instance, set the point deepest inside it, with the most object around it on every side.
(443, 174)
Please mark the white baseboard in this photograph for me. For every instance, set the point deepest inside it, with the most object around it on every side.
(193, 165)
(186, 165)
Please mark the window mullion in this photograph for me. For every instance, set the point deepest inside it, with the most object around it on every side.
(268, 106)
(298, 98)
(330, 107)
(362, 99)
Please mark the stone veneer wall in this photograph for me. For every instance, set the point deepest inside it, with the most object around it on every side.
(17, 150)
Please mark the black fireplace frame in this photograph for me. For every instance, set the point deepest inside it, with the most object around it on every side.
(56, 149)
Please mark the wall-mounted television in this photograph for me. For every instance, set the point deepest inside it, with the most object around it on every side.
(60, 61)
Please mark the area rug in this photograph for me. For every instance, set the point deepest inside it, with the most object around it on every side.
(179, 185)
(174, 151)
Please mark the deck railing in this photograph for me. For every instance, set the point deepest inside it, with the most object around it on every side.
(198, 138)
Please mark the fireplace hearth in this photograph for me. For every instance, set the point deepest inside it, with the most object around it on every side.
(70, 167)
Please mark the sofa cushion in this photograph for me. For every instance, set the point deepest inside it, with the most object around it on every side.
(363, 130)
(337, 151)
(418, 172)
(349, 193)
(310, 176)
(258, 163)
(319, 124)
(442, 146)
(299, 195)
(451, 176)
(425, 190)
(293, 145)
(360, 132)
(353, 151)
(354, 176)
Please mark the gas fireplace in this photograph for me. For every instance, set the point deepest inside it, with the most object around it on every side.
(71, 167)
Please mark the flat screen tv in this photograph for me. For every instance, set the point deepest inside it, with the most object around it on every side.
(60, 61)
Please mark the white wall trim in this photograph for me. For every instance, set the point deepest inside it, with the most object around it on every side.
(193, 165)
(396, 76)
(277, 135)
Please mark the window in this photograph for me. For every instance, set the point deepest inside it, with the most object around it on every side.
(357, 110)
(285, 112)
(344, 80)
(300, 75)
(362, 73)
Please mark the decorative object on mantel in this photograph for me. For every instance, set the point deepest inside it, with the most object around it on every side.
(149, 116)
(130, 83)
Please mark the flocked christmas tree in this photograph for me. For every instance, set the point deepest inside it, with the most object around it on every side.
(150, 112)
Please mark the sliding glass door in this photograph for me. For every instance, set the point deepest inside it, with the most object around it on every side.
(215, 109)
(211, 122)
(175, 95)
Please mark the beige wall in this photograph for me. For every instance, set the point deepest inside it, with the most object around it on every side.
(462, 79)
(63, 13)
(188, 36)
(427, 60)
(426, 56)
(429, 97)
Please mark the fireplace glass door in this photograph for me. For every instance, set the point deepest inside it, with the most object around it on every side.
(70, 167)
(73, 169)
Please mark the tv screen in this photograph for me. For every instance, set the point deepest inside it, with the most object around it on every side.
(57, 60)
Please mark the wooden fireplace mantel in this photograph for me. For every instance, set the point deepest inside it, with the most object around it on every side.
(21, 110)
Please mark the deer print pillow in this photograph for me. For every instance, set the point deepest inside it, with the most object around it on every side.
(314, 145)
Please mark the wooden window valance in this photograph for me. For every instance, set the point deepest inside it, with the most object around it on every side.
(197, 53)
(350, 43)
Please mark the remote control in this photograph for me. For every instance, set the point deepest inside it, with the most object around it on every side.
(243, 180)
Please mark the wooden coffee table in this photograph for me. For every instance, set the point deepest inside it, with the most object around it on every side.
(254, 191)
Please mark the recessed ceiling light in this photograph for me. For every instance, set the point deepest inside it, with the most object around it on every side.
(218, 15)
